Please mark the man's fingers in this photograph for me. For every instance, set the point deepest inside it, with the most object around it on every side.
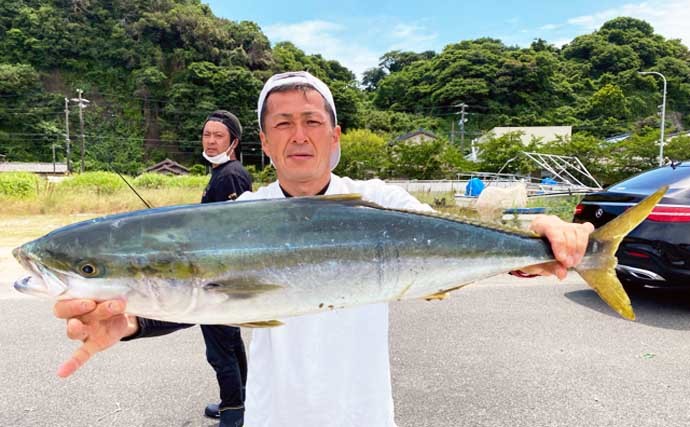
(583, 240)
(559, 243)
(543, 269)
(73, 308)
(104, 310)
(76, 330)
(571, 245)
(78, 359)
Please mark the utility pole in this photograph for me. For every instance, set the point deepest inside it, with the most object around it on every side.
(663, 114)
(82, 103)
(452, 132)
(67, 146)
(53, 156)
(461, 123)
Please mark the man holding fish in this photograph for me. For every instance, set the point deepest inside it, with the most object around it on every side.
(316, 370)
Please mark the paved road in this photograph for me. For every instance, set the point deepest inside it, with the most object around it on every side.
(505, 352)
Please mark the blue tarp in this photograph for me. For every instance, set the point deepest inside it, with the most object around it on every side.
(549, 180)
(474, 187)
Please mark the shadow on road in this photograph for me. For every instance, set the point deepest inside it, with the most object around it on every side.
(653, 307)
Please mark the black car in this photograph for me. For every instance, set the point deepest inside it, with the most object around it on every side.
(656, 254)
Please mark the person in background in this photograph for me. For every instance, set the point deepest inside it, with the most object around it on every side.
(225, 351)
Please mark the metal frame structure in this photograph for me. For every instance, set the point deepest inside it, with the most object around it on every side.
(571, 176)
(564, 168)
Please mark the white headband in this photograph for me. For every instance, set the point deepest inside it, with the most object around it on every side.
(300, 77)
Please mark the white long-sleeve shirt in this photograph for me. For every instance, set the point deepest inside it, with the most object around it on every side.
(329, 369)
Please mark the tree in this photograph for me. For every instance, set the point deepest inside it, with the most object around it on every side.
(363, 154)
(609, 101)
(371, 78)
(435, 159)
(396, 60)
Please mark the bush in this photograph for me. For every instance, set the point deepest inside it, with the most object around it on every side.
(265, 175)
(98, 182)
(151, 180)
(188, 181)
(20, 185)
(197, 170)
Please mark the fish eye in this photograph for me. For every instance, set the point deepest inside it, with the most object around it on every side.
(88, 270)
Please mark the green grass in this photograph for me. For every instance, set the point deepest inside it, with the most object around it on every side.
(97, 193)
(79, 200)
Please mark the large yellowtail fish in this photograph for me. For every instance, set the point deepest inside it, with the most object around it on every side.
(257, 261)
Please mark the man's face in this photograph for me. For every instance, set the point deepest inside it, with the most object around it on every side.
(215, 138)
(298, 136)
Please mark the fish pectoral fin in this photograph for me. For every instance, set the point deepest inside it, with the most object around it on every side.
(241, 287)
(264, 324)
(353, 199)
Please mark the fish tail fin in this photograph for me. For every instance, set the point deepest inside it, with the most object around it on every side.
(600, 272)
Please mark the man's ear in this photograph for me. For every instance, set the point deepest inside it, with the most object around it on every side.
(336, 135)
(233, 145)
(264, 144)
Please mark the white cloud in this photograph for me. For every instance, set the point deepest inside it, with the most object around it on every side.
(668, 17)
(411, 37)
(325, 38)
(560, 42)
(548, 27)
(339, 41)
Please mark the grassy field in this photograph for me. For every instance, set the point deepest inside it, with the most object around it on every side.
(80, 202)
(17, 229)
(99, 193)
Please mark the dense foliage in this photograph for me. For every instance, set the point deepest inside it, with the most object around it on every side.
(152, 70)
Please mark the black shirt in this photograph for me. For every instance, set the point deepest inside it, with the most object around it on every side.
(227, 182)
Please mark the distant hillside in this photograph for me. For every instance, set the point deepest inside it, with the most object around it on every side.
(591, 83)
(152, 70)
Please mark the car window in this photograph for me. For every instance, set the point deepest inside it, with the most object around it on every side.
(653, 179)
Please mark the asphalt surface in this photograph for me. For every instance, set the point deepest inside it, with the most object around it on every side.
(504, 352)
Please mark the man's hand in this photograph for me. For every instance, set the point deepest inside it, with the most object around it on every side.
(97, 325)
(568, 243)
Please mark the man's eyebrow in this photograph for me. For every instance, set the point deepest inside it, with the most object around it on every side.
(303, 113)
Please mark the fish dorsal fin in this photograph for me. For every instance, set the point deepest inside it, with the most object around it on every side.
(470, 221)
(354, 199)
(357, 200)
(340, 197)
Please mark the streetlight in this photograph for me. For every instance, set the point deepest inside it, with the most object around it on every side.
(663, 115)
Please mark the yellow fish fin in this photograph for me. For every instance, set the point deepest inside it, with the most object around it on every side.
(600, 273)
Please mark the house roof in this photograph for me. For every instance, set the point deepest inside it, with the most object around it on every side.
(167, 165)
(34, 167)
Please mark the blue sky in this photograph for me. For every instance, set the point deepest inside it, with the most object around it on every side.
(357, 33)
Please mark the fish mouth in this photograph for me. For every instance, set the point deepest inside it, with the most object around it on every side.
(42, 283)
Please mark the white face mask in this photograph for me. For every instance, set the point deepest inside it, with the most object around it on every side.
(218, 159)
(221, 158)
